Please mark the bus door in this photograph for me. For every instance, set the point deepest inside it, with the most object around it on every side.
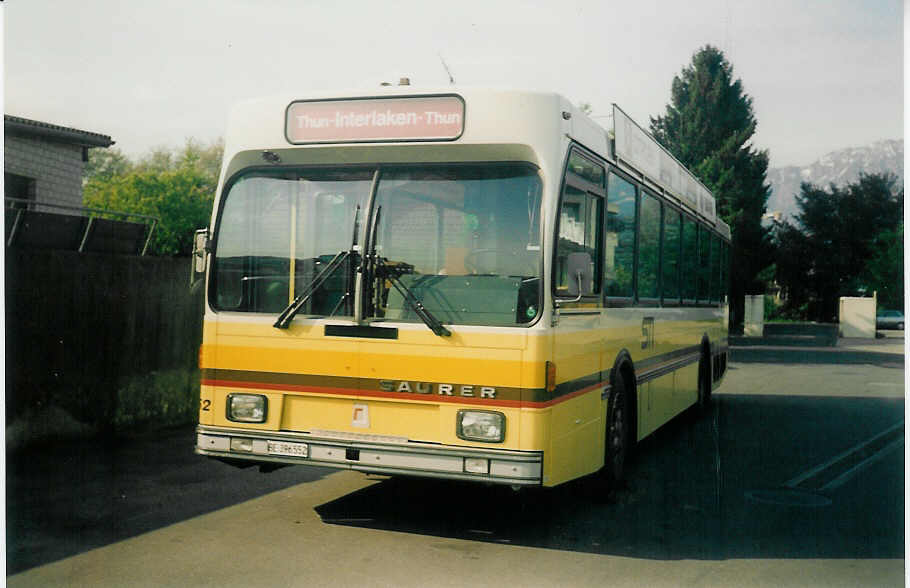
(578, 408)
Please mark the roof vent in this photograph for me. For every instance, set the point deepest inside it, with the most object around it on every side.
(404, 82)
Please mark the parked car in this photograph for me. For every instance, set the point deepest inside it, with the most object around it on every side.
(889, 319)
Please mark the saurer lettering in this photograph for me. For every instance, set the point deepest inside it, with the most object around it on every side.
(465, 390)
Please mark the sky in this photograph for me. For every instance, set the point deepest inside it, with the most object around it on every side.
(823, 75)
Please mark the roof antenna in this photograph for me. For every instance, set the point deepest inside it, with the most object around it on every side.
(448, 73)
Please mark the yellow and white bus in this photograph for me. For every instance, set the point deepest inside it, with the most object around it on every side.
(472, 284)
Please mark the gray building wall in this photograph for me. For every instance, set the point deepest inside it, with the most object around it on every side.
(56, 168)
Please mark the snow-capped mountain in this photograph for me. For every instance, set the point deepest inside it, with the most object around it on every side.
(838, 167)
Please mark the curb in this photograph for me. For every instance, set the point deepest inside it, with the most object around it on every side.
(814, 355)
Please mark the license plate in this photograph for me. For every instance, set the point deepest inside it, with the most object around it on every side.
(291, 449)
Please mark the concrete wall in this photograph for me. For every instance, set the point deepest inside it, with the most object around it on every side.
(110, 339)
(56, 167)
(857, 317)
(754, 321)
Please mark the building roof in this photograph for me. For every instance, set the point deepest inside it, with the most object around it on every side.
(15, 125)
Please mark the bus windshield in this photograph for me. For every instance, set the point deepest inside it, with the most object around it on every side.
(464, 241)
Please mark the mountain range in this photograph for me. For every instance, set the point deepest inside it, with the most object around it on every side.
(838, 167)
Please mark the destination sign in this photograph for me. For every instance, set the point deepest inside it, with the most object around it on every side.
(407, 118)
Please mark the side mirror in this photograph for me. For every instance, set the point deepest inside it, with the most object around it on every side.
(580, 269)
(201, 247)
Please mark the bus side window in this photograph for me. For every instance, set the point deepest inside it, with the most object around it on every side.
(689, 259)
(620, 239)
(724, 270)
(649, 247)
(671, 247)
(704, 264)
(715, 268)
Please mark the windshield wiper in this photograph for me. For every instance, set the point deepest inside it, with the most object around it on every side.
(378, 268)
(287, 315)
(393, 273)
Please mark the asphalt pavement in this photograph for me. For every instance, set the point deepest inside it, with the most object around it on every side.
(67, 497)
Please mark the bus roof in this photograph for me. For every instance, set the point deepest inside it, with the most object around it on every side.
(439, 124)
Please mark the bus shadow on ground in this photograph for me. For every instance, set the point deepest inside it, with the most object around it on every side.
(687, 495)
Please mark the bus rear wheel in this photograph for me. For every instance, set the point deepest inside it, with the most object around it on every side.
(618, 427)
(704, 382)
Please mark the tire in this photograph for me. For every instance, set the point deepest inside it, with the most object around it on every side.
(704, 382)
(618, 437)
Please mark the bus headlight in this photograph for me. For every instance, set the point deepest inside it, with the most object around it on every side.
(481, 425)
(246, 408)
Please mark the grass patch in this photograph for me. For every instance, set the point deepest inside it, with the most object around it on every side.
(158, 399)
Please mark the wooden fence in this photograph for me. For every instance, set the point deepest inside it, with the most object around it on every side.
(111, 339)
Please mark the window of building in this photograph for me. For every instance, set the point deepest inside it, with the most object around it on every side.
(19, 188)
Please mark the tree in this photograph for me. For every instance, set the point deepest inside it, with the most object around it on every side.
(194, 154)
(846, 241)
(884, 272)
(707, 127)
(176, 187)
(105, 163)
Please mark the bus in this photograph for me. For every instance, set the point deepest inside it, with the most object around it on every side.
(472, 284)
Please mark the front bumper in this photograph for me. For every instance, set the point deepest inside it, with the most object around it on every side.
(373, 454)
